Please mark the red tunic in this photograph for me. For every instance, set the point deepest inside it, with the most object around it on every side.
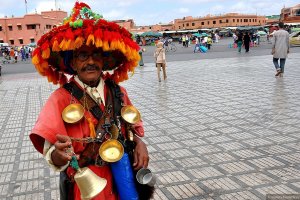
(50, 123)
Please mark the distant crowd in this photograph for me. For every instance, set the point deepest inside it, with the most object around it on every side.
(11, 54)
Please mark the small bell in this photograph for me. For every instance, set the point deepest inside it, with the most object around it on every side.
(89, 184)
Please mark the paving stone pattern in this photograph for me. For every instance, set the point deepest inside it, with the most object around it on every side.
(221, 129)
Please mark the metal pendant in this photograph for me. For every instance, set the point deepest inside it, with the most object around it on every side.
(114, 131)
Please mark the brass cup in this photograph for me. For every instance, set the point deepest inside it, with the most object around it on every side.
(146, 177)
(111, 150)
(73, 113)
(130, 114)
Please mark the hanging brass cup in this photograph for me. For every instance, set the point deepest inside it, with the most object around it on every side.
(130, 114)
(73, 113)
(111, 150)
(89, 184)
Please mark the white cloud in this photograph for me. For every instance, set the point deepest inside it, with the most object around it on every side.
(114, 14)
(126, 3)
(217, 9)
(197, 1)
(48, 5)
(183, 10)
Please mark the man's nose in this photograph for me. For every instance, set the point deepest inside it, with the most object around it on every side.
(91, 59)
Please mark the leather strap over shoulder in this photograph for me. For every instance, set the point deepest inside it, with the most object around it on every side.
(117, 97)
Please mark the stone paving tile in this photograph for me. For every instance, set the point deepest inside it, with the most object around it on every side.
(221, 129)
(244, 195)
(205, 173)
(185, 191)
(236, 167)
(255, 179)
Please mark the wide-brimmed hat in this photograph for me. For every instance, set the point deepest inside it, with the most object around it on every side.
(83, 27)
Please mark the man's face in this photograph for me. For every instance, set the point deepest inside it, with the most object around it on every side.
(88, 62)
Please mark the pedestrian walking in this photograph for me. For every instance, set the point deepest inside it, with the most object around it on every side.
(239, 42)
(197, 46)
(11, 54)
(84, 130)
(16, 56)
(160, 60)
(183, 40)
(22, 51)
(187, 41)
(247, 41)
(280, 49)
(209, 42)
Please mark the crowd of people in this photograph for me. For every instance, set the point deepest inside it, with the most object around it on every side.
(11, 54)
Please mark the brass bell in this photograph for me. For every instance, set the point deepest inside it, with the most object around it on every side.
(111, 150)
(130, 114)
(73, 113)
(89, 184)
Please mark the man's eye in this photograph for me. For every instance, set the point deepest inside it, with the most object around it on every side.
(97, 54)
(82, 55)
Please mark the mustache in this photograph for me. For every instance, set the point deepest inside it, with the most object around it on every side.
(90, 67)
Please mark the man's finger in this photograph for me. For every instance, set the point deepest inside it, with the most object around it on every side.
(63, 138)
(135, 159)
(62, 146)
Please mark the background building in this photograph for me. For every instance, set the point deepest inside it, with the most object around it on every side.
(227, 20)
(18, 31)
(127, 24)
(290, 15)
(272, 19)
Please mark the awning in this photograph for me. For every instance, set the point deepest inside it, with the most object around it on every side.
(31, 37)
(19, 24)
(11, 39)
(9, 24)
(20, 38)
(292, 23)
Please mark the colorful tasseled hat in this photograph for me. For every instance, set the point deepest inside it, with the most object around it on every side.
(121, 53)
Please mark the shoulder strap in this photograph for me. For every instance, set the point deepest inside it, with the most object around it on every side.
(117, 97)
(78, 93)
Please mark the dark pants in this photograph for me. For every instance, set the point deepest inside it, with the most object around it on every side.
(65, 187)
(281, 66)
(247, 45)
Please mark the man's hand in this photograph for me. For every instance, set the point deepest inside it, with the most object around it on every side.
(63, 150)
(140, 155)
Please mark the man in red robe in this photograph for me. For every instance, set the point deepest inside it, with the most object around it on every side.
(94, 52)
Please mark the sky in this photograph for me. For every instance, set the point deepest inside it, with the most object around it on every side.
(150, 12)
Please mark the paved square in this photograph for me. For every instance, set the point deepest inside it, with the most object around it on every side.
(220, 129)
